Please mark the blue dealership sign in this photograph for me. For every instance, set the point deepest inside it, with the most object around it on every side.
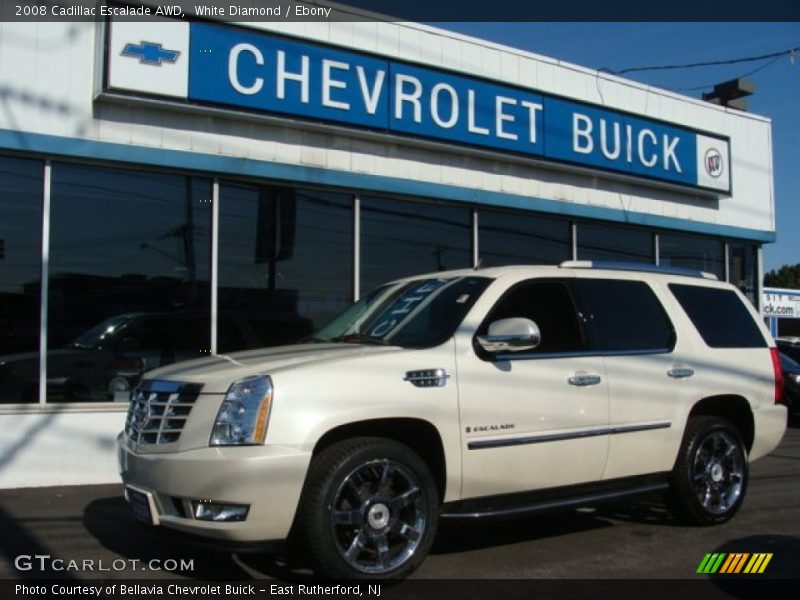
(278, 75)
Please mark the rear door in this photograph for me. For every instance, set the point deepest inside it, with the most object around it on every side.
(650, 371)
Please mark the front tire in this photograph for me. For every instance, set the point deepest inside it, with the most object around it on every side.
(369, 511)
(710, 477)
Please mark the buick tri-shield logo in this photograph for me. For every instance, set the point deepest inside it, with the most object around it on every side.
(150, 53)
(713, 162)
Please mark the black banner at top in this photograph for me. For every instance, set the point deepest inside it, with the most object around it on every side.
(424, 11)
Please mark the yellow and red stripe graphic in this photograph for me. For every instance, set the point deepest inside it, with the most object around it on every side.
(734, 562)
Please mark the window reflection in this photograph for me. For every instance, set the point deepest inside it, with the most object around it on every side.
(129, 278)
(21, 182)
(285, 263)
(400, 238)
(129, 271)
(507, 238)
(610, 243)
(742, 265)
(692, 252)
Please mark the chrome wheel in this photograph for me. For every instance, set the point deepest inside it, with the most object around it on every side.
(709, 481)
(378, 516)
(718, 472)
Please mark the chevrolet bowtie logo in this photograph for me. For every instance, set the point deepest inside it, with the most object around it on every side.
(150, 53)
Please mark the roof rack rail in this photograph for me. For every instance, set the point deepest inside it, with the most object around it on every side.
(631, 266)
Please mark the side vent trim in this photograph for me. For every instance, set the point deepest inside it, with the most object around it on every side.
(427, 377)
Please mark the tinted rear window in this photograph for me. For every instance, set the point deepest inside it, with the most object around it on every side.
(626, 316)
(719, 316)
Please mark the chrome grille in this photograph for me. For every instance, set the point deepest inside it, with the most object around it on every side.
(158, 411)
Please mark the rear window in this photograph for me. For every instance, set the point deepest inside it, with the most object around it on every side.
(625, 316)
(719, 316)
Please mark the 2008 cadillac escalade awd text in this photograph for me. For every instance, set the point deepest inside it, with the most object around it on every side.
(463, 394)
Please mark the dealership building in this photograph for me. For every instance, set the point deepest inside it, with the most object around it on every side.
(182, 188)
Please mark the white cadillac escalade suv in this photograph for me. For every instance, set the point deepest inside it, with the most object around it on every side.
(464, 394)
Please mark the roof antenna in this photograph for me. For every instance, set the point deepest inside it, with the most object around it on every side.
(478, 264)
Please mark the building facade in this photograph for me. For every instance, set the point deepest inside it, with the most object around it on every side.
(174, 189)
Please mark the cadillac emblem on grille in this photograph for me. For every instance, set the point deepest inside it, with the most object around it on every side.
(159, 410)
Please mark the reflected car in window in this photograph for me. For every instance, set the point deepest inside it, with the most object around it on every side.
(106, 361)
(790, 346)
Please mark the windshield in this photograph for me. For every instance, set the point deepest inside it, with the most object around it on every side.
(412, 314)
(94, 337)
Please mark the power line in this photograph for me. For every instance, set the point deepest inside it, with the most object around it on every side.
(748, 74)
(789, 52)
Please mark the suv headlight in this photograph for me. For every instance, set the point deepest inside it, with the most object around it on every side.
(242, 418)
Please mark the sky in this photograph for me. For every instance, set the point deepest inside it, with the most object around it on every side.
(618, 46)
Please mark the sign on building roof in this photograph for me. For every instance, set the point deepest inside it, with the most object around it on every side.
(217, 65)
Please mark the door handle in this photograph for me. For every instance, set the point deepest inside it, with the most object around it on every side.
(584, 379)
(680, 372)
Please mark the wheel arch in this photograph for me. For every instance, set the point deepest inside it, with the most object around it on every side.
(418, 434)
(734, 409)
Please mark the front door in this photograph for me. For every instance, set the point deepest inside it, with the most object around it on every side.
(535, 419)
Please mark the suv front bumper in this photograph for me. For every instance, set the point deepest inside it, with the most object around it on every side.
(268, 479)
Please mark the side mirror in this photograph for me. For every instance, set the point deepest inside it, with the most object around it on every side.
(510, 335)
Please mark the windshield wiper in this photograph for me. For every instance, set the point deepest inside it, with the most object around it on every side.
(358, 338)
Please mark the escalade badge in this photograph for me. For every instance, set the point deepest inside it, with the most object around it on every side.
(481, 428)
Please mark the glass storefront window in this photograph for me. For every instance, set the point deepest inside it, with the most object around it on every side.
(506, 238)
(285, 263)
(742, 267)
(21, 182)
(129, 269)
(617, 244)
(129, 278)
(401, 238)
(692, 252)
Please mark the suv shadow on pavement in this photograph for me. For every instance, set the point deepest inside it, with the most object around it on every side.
(794, 420)
(648, 510)
(782, 564)
(455, 537)
(111, 523)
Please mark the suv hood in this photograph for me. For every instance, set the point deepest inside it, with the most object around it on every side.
(219, 371)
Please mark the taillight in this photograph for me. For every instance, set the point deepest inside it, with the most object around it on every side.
(776, 365)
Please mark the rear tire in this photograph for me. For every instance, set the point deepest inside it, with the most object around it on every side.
(710, 477)
(369, 510)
